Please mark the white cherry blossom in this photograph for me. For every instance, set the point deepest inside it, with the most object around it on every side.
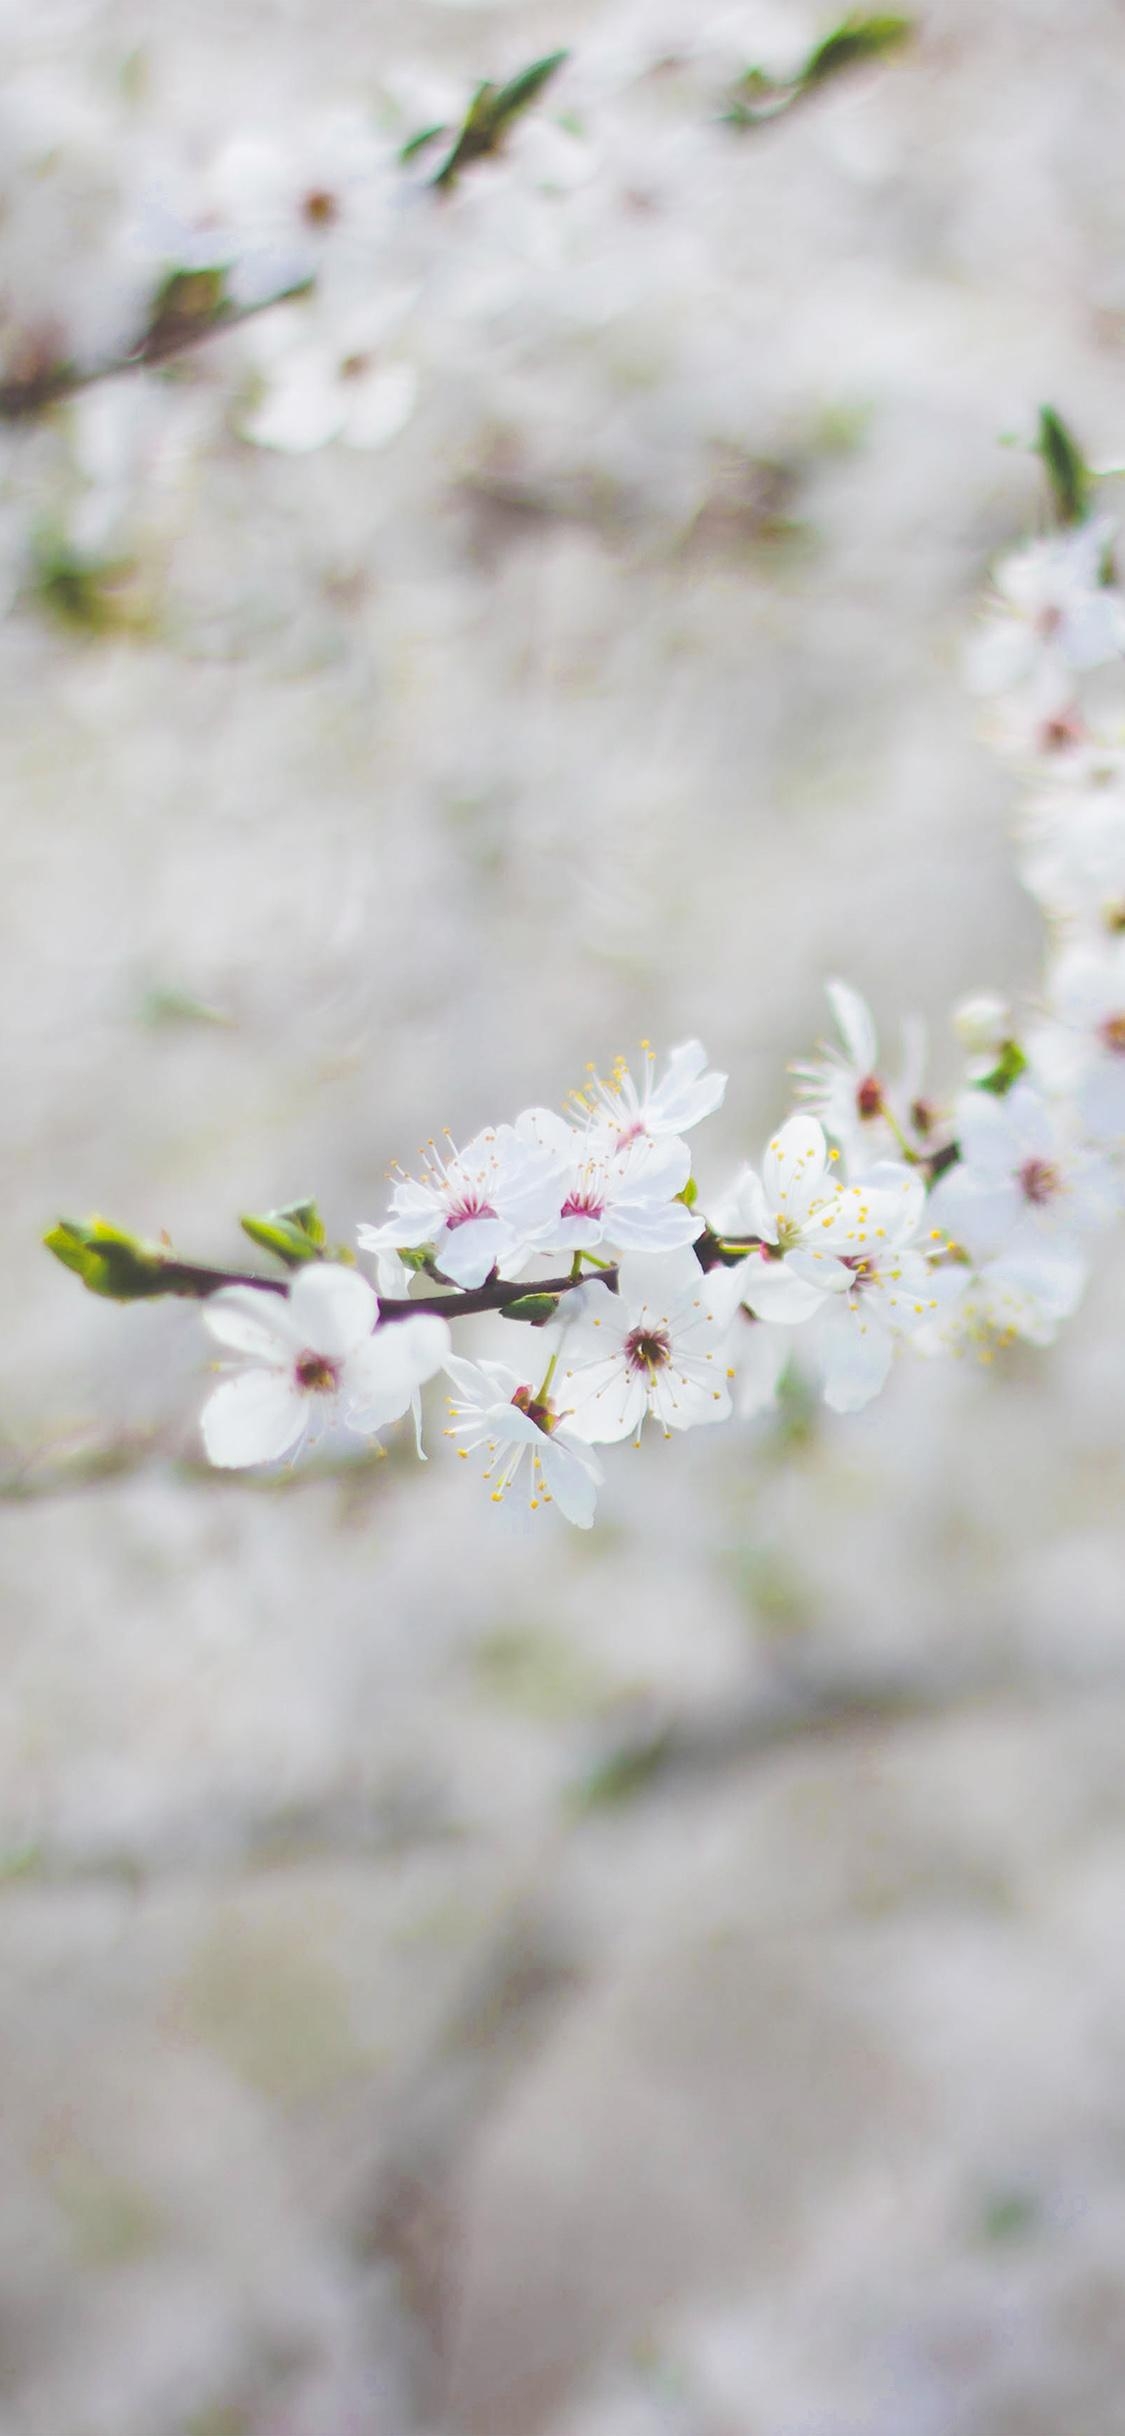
(1020, 1177)
(280, 205)
(324, 375)
(882, 1289)
(487, 1206)
(313, 1359)
(1051, 605)
(846, 1087)
(1025, 1291)
(687, 1091)
(796, 1204)
(621, 1192)
(496, 1411)
(656, 1346)
(1084, 1046)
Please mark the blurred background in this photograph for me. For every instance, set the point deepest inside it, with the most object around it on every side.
(460, 1981)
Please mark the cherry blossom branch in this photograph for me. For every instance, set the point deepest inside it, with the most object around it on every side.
(124, 1269)
(496, 1294)
(192, 306)
(189, 309)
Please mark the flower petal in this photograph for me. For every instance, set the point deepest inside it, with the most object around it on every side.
(603, 1402)
(253, 1419)
(333, 1309)
(854, 1024)
(856, 1355)
(572, 1475)
(775, 1290)
(382, 1377)
(251, 1322)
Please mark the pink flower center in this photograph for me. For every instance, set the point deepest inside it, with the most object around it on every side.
(467, 1208)
(1039, 1181)
(583, 1205)
(869, 1096)
(648, 1349)
(863, 1271)
(543, 1415)
(315, 1374)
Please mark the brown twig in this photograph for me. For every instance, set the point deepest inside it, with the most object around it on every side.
(169, 335)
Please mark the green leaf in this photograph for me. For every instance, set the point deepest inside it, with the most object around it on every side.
(1072, 484)
(415, 1256)
(108, 1261)
(293, 1234)
(1007, 1070)
(856, 40)
(758, 97)
(417, 143)
(492, 111)
(536, 1309)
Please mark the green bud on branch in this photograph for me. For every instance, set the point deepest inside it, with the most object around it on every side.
(536, 1309)
(293, 1234)
(759, 97)
(127, 1270)
(855, 41)
(1007, 1070)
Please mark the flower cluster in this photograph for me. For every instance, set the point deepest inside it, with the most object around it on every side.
(349, 251)
(882, 1213)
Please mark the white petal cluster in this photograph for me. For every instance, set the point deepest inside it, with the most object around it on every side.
(655, 1347)
(829, 1253)
(547, 1185)
(1052, 616)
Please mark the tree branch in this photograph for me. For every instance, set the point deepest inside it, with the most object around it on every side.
(171, 332)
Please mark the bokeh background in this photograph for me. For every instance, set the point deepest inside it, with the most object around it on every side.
(460, 1981)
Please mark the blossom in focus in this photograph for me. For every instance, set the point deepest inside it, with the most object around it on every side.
(618, 1192)
(881, 1290)
(656, 1346)
(487, 1206)
(687, 1091)
(1051, 605)
(495, 1411)
(1020, 1176)
(313, 1359)
(794, 1205)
